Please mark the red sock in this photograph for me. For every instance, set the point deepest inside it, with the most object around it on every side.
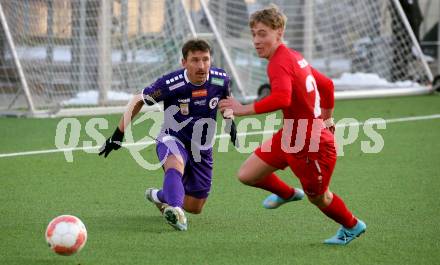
(275, 185)
(339, 212)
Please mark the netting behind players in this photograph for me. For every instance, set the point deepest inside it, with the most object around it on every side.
(360, 43)
(60, 49)
(69, 50)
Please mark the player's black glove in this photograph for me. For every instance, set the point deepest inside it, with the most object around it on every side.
(112, 143)
(228, 115)
(233, 134)
(232, 129)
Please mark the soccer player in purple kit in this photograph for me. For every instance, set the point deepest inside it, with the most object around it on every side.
(190, 97)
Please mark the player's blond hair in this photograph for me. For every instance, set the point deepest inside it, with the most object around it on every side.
(270, 16)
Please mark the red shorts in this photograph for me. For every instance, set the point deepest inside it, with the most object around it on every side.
(314, 170)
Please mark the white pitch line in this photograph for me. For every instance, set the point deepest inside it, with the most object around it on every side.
(48, 151)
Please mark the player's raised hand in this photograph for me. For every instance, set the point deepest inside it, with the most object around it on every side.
(112, 143)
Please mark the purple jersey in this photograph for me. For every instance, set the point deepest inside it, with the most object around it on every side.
(193, 104)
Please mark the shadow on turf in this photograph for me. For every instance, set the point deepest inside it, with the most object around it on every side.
(39, 261)
(320, 246)
(47, 261)
(133, 223)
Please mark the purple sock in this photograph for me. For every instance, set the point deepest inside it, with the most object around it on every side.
(161, 196)
(172, 192)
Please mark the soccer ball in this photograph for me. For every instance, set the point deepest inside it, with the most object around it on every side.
(66, 235)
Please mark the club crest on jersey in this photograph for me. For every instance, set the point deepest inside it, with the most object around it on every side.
(199, 93)
(184, 108)
(213, 102)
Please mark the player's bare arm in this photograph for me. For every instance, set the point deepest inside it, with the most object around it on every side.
(115, 141)
(133, 108)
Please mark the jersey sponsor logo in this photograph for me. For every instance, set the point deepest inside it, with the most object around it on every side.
(303, 63)
(176, 85)
(213, 102)
(183, 100)
(201, 102)
(217, 81)
(184, 108)
(199, 93)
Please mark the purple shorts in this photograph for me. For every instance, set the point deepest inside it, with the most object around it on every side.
(197, 176)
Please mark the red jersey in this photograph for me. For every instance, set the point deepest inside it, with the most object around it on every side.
(300, 92)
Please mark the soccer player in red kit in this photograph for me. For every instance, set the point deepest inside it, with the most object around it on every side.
(306, 141)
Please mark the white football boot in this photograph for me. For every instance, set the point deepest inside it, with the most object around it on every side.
(151, 195)
(176, 218)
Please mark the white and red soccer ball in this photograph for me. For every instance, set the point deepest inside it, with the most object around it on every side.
(66, 235)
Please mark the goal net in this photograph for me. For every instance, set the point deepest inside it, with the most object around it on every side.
(87, 53)
(58, 55)
(366, 46)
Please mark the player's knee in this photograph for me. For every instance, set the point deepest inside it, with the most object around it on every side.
(193, 205)
(316, 200)
(322, 200)
(175, 162)
(243, 177)
(194, 210)
(197, 211)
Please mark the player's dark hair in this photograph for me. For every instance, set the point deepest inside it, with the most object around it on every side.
(194, 45)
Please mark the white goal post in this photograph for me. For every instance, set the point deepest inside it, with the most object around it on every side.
(74, 57)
